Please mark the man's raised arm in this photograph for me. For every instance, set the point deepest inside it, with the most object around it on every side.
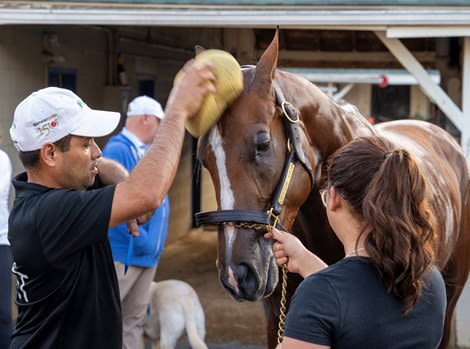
(151, 179)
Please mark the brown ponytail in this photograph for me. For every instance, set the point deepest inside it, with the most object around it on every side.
(387, 192)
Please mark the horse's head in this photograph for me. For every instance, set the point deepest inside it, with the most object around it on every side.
(245, 153)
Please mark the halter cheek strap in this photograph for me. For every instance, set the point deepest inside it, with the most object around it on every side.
(291, 126)
(264, 221)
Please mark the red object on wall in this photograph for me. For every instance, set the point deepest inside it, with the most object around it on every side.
(384, 81)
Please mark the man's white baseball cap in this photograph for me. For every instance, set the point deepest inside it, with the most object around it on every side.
(52, 113)
(144, 105)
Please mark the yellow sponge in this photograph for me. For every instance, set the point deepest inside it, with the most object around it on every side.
(229, 86)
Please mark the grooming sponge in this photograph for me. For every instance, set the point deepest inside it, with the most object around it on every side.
(229, 86)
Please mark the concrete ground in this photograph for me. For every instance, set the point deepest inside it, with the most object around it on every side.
(229, 324)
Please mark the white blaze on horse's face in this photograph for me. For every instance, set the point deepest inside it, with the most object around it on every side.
(226, 195)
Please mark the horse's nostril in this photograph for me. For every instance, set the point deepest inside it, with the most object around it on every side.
(248, 281)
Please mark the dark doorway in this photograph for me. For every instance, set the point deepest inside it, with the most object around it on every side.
(63, 78)
(147, 88)
(391, 102)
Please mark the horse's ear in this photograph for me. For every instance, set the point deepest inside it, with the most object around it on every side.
(266, 66)
(198, 49)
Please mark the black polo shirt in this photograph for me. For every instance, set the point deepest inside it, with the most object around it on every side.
(67, 289)
(346, 306)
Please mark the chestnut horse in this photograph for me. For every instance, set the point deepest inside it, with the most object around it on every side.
(245, 153)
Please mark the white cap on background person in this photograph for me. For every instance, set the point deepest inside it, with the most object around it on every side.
(144, 105)
(53, 113)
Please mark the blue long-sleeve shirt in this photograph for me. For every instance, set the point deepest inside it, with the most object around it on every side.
(127, 150)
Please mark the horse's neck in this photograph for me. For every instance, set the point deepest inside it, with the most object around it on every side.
(329, 125)
(356, 123)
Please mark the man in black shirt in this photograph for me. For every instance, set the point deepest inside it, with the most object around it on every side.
(67, 291)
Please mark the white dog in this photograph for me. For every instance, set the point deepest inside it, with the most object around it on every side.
(174, 306)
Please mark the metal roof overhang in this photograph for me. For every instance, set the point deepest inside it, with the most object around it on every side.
(455, 20)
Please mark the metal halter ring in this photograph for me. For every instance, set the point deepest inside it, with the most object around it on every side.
(283, 106)
(272, 215)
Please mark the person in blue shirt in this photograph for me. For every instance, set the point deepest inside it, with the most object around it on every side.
(136, 260)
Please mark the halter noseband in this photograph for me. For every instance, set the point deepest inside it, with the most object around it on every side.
(264, 221)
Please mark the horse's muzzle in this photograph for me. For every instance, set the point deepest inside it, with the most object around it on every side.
(245, 282)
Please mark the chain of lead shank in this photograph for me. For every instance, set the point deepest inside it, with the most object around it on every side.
(246, 225)
(282, 307)
(257, 226)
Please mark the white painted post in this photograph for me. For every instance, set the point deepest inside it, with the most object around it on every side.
(344, 91)
(434, 92)
(462, 316)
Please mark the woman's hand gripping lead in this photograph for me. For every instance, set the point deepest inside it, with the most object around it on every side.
(287, 249)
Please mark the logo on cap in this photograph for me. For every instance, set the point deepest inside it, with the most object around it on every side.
(46, 129)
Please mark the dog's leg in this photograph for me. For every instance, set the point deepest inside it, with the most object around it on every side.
(168, 343)
(194, 339)
(171, 327)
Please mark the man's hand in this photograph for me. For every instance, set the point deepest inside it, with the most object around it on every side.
(141, 220)
(133, 227)
(133, 224)
(187, 96)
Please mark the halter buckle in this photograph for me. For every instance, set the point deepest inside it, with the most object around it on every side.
(283, 106)
(274, 217)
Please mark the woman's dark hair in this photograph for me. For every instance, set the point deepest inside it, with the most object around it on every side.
(387, 192)
(30, 159)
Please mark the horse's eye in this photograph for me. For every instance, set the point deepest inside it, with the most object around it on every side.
(262, 141)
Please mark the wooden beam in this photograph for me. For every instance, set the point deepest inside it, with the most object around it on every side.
(335, 56)
(434, 92)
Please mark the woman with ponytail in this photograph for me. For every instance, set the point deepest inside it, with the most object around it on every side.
(386, 292)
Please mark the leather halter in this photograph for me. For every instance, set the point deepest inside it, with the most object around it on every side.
(264, 221)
